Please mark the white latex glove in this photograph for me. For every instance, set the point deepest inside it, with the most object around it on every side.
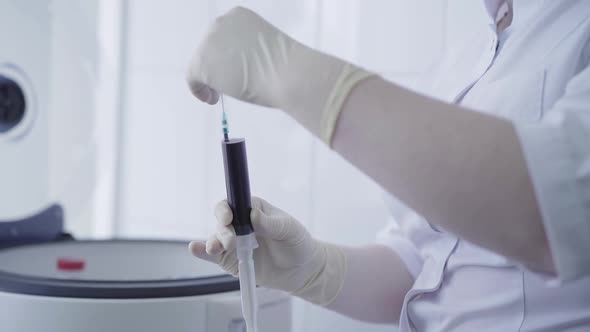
(288, 258)
(247, 58)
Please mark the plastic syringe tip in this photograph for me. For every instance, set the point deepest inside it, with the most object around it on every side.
(224, 127)
(245, 244)
(224, 124)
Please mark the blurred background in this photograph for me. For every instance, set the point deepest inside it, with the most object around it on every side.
(130, 153)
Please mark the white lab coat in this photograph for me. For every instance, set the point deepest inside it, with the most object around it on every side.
(537, 73)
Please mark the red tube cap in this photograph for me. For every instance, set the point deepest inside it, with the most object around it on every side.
(70, 264)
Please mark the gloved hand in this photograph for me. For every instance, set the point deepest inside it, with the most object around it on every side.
(288, 258)
(247, 58)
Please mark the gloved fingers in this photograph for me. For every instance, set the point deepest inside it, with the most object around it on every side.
(267, 208)
(271, 222)
(223, 213)
(268, 226)
(223, 240)
(214, 96)
(229, 263)
(213, 246)
(203, 92)
(222, 245)
(198, 249)
(227, 260)
(226, 236)
(259, 203)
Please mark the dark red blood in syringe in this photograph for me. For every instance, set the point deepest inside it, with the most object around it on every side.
(70, 264)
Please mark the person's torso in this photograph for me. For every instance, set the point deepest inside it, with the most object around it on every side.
(466, 288)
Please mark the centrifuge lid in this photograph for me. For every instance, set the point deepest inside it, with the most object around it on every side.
(110, 269)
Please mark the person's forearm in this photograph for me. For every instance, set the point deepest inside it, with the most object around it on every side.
(462, 170)
(375, 285)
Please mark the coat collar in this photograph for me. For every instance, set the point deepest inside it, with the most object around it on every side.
(523, 9)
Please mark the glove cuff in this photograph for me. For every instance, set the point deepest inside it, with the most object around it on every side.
(348, 79)
(314, 87)
(325, 285)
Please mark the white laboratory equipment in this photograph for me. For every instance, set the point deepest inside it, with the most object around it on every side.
(117, 285)
(48, 279)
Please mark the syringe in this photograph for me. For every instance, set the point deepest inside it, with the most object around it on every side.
(237, 186)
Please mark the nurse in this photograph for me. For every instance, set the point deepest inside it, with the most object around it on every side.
(494, 172)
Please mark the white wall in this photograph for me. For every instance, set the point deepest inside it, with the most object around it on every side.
(110, 89)
(24, 186)
(171, 168)
(72, 137)
(51, 49)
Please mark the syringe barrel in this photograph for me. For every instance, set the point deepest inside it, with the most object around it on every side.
(237, 184)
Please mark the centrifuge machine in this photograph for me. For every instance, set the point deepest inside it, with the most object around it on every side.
(51, 282)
